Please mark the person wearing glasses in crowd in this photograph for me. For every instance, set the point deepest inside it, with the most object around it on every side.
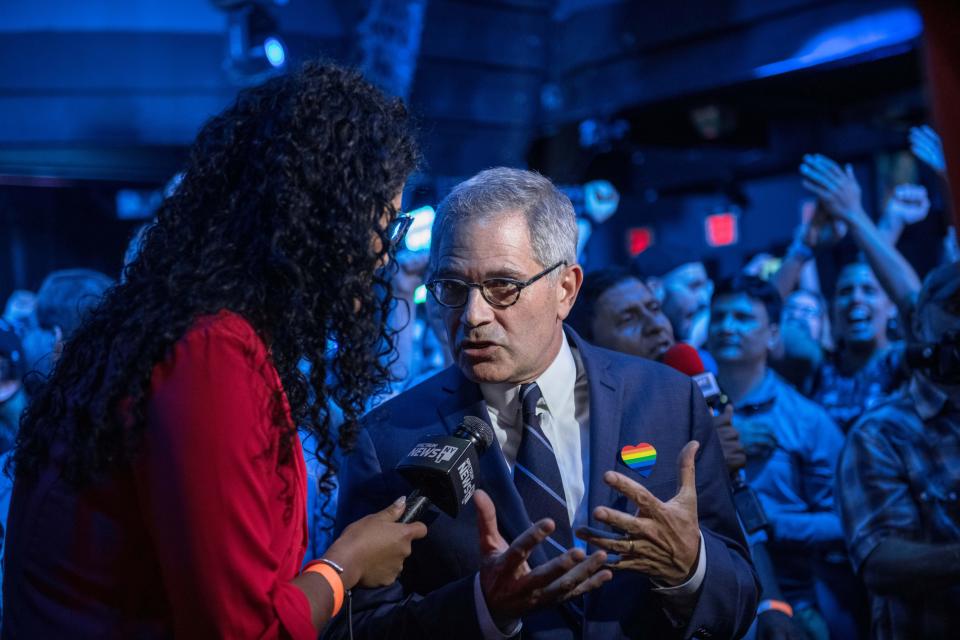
(658, 549)
(159, 486)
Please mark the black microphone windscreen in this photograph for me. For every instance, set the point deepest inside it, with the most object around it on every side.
(481, 430)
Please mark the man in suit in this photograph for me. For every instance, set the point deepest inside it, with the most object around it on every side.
(586, 443)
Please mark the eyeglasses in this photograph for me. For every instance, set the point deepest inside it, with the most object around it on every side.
(499, 292)
(397, 229)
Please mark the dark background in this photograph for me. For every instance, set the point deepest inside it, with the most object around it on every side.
(697, 107)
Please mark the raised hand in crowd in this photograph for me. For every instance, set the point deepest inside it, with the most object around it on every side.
(839, 192)
(821, 231)
(926, 145)
(908, 205)
(836, 187)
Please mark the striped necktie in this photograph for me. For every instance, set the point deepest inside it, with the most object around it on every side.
(537, 475)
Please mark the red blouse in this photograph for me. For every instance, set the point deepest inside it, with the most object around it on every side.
(228, 527)
(199, 538)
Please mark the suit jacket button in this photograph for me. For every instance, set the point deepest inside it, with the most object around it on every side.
(702, 633)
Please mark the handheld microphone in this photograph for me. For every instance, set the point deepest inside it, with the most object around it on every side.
(686, 360)
(443, 469)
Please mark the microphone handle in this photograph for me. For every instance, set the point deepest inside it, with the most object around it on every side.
(416, 504)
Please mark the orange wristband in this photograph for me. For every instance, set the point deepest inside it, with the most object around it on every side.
(333, 579)
(775, 605)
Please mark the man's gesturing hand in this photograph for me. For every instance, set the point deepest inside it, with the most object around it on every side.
(510, 587)
(662, 539)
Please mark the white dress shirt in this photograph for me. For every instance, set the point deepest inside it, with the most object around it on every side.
(564, 410)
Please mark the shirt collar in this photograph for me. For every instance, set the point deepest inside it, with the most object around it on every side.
(556, 385)
(928, 398)
(762, 394)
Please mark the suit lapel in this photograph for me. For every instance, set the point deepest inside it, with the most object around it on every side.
(465, 399)
(605, 423)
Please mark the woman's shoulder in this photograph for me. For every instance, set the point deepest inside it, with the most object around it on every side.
(225, 329)
(222, 343)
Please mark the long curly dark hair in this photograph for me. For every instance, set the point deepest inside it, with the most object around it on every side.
(274, 220)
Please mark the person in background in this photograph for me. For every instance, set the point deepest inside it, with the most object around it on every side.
(792, 445)
(681, 285)
(866, 366)
(13, 397)
(899, 480)
(803, 330)
(20, 311)
(58, 309)
(166, 435)
(13, 401)
(617, 311)
(503, 267)
(64, 298)
(926, 146)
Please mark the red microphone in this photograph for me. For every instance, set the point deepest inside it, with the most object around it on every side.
(686, 360)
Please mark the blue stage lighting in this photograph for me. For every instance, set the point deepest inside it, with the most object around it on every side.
(275, 52)
(420, 295)
(871, 34)
(418, 236)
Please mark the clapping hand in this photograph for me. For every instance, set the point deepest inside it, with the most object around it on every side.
(822, 230)
(837, 188)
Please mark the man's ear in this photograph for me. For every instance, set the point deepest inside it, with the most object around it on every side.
(568, 288)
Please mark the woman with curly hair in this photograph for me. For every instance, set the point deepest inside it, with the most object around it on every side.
(159, 480)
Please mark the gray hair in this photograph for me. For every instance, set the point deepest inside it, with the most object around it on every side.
(549, 213)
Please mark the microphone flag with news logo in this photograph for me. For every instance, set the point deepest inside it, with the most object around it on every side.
(443, 468)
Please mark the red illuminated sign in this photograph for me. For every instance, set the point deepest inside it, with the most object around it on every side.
(722, 229)
(639, 240)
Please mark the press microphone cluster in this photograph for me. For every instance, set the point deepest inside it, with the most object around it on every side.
(443, 469)
(686, 360)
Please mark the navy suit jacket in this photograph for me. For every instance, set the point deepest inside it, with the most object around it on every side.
(631, 401)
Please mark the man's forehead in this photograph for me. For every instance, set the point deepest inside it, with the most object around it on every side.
(803, 299)
(856, 274)
(487, 242)
(627, 293)
(739, 301)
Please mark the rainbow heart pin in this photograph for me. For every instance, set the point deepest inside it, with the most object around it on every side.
(640, 458)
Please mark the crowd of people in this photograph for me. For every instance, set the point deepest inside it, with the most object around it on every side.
(804, 379)
(141, 413)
